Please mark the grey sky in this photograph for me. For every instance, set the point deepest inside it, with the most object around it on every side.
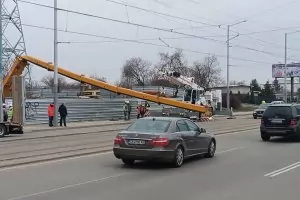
(107, 58)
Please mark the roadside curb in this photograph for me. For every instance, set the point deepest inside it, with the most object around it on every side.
(71, 128)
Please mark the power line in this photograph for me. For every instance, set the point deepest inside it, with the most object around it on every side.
(145, 43)
(270, 30)
(271, 43)
(164, 14)
(270, 9)
(149, 27)
(123, 22)
(254, 14)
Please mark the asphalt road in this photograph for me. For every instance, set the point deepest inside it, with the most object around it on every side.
(54, 144)
(245, 168)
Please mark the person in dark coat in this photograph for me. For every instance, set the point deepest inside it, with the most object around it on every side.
(63, 112)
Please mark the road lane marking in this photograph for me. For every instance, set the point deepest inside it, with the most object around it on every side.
(238, 132)
(229, 150)
(68, 186)
(283, 170)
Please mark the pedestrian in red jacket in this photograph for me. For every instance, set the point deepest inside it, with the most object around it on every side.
(51, 113)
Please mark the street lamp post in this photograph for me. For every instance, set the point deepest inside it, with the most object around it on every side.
(285, 67)
(55, 66)
(228, 57)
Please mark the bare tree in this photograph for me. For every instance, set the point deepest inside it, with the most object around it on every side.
(48, 81)
(171, 62)
(174, 62)
(207, 73)
(78, 85)
(33, 84)
(99, 78)
(136, 71)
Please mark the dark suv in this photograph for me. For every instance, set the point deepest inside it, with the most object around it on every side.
(280, 120)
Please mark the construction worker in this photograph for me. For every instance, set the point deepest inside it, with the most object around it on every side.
(51, 113)
(147, 105)
(10, 113)
(139, 110)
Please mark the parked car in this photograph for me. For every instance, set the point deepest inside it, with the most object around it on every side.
(163, 138)
(277, 102)
(260, 110)
(280, 120)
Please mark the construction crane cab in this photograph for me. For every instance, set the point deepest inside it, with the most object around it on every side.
(194, 96)
(193, 93)
(14, 124)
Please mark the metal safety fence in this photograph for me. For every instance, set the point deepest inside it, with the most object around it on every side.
(36, 110)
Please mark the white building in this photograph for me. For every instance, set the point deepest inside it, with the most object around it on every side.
(235, 89)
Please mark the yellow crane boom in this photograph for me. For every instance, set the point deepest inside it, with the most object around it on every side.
(21, 62)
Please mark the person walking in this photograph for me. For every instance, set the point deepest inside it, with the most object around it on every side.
(51, 113)
(63, 112)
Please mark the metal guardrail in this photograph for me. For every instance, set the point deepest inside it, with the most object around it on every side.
(83, 109)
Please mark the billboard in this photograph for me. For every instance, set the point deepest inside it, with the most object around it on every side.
(293, 70)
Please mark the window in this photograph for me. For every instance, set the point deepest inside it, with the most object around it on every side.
(298, 110)
(278, 111)
(181, 126)
(192, 126)
(150, 126)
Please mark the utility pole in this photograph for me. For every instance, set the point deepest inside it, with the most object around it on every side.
(285, 67)
(228, 57)
(55, 66)
(228, 89)
(1, 66)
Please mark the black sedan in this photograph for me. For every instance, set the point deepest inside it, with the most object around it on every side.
(260, 110)
(163, 138)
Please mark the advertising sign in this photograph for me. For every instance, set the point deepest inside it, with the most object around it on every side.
(293, 70)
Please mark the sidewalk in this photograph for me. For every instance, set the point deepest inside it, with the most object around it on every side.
(74, 125)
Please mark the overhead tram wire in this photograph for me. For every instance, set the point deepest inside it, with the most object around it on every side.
(249, 35)
(164, 14)
(145, 43)
(147, 10)
(145, 26)
(126, 22)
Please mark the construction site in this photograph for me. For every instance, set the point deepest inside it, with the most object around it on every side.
(193, 101)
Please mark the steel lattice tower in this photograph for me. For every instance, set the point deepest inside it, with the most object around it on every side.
(12, 37)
